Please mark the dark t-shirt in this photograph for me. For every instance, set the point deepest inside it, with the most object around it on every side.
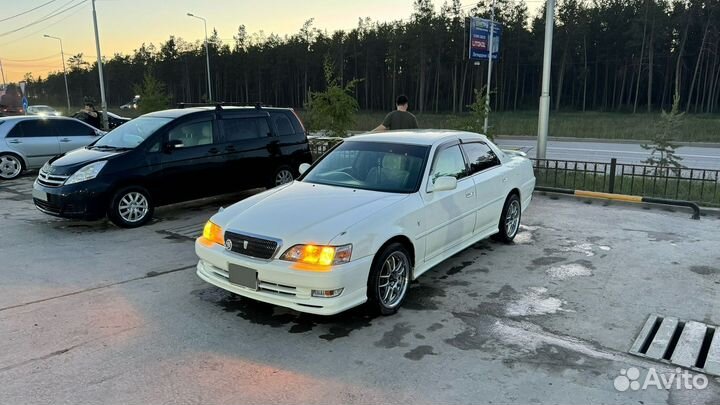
(400, 120)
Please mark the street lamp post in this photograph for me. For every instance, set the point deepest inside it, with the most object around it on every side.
(62, 55)
(544, 114)
(103, 103)
(207, 54)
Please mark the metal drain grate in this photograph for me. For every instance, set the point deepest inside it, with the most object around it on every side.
(688, 344)
(191, 231)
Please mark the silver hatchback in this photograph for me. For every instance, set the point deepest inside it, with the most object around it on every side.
(27, 142)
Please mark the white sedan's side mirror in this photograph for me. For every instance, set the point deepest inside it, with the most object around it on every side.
(303, 167)
(445, 183)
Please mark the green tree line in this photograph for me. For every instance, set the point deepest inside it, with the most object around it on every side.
(608, 55)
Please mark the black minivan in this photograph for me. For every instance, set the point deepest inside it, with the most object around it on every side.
(171, 156)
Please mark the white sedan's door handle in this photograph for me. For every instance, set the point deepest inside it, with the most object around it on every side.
(504, 179)
(469, 194)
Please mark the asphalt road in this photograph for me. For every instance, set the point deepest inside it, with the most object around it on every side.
(90, 313)
(693, 156)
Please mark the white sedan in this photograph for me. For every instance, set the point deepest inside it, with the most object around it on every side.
(375, 212)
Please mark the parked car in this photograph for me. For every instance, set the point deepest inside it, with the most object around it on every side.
(170, 156)
(372, 214)
(132, 104)
(11, 110)
(42, 110)
(27, 142)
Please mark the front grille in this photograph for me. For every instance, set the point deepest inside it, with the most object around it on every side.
(277, 288)
(50, 180)
(46, 206)
(252, 246)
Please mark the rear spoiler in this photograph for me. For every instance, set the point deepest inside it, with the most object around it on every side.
(512, 152)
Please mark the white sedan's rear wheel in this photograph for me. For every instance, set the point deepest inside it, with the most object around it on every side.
(510, 219)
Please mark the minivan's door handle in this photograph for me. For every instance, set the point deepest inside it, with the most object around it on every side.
(230, 148)
(469, 194)
(15, 141)
(65, 140)
(213, 151)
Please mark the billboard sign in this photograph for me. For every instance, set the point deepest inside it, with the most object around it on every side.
(480, 39)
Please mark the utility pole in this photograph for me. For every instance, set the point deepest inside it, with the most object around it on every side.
(544, 115)
(207, 54)
(62, 55)
(103, 103)
(2, 73)
(489, 75)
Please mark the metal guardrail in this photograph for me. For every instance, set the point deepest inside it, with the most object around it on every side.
(701, 186)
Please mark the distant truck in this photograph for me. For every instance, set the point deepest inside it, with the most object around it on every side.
(11, 102)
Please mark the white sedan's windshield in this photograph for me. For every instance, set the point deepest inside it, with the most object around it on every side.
(377, 166)
(132, 133)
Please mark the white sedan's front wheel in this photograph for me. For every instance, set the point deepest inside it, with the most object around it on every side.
(389, 279)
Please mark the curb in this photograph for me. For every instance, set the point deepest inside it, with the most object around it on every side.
(625, 198)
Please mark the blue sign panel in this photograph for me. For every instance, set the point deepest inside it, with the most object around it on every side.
(480, 39)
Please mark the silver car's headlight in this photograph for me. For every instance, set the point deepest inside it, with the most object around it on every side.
(88, 172)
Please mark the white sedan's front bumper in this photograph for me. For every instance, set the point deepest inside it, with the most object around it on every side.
(280, 284)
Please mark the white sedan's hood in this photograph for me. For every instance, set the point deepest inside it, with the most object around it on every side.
(304, 212)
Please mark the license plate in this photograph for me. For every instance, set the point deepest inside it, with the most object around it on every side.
(243, 276)
(40, 195)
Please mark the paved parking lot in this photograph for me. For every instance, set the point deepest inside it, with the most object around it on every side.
(93, 313)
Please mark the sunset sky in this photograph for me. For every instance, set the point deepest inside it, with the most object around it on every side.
(125, 24)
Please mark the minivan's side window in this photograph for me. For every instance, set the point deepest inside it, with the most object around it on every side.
(237, 129)
(480, 157)
(448, 162)
(193, 134)
(37, 128)
(72, 128)
(282, 124)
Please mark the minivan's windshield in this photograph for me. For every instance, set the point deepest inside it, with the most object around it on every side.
(131, 134)
(377, 166)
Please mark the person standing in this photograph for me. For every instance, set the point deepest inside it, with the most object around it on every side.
(398, 119)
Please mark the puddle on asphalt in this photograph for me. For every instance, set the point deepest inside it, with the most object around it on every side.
(328, 327)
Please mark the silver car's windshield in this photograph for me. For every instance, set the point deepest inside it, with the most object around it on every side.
(132, 133)
(377, 166)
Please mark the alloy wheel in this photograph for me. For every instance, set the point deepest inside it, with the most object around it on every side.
(133, 207)
(283, 176)
(393, 279)
(10, 167)
(512, 219)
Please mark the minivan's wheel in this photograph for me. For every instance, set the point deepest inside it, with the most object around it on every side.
(131, 207)
(10, 166)
(389, 279)
(283, 175)
(509, 219)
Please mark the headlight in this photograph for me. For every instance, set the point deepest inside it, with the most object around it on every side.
(319, 255)
(88, 172)
(213, 233)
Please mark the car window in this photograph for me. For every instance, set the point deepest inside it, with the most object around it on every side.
(133, 133)
(282, 124)
(448, 162)
(377, 166)
(193, 134)
(73, 128)
(236, 129)
(480, 157)
(16, 131)
(38, 128)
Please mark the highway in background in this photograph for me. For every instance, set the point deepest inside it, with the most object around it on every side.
(702, 157)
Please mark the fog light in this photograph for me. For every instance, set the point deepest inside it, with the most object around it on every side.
(327, 293)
